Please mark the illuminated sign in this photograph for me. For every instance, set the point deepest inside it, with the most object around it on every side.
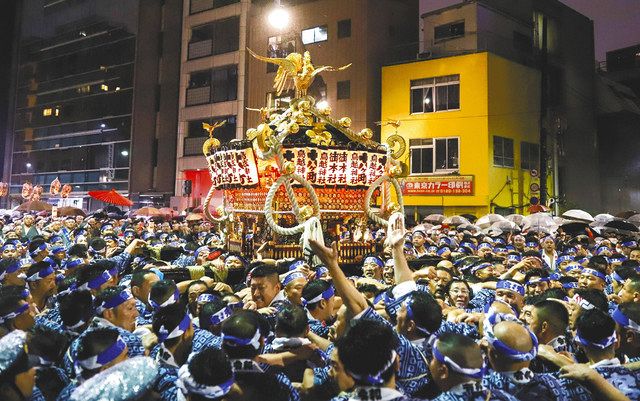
(233, 167)
(439, 185)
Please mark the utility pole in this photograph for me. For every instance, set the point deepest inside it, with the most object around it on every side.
(544, 96)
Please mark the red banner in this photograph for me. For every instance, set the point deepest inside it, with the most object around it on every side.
(442, 185)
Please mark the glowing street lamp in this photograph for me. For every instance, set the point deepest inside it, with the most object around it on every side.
(279, 16)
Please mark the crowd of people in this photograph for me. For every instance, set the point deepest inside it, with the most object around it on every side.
(108, 307)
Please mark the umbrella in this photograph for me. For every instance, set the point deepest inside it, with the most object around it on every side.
(506, 226)
(147, 211)
(469, 217)
(539, 222)
(423, 227)
(34, 206)
(578, 215)
(575, 227)
(168, 212)
(433, 219)
(635, 219)
(622, 225)
(112, 209)
(603, 218)
(455, 221)
(488, 219)
(626, 214)
(194, 217)
(112, 197)
(70, 211)
(516, 218)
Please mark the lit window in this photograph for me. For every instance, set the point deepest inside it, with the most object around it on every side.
(104, 87)
(47, 112)
(435, 94)
(84, 89)
(434, 155)
(57, 112)
(315, 35)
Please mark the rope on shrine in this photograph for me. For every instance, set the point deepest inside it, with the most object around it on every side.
(372, 188)
(283, 179)
(207, 212)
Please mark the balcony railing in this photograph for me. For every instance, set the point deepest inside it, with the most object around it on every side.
(193, 146)
(197, 96)
(199, 49)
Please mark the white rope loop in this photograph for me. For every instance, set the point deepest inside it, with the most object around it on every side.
(268, 205)
(367, 199)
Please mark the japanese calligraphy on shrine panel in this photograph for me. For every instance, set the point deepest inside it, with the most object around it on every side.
(439, 185)
(233, 167)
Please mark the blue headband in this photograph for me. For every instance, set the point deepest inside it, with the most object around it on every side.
(508, 352)
(188, 385)
(373, 259)
(571, 284)
(602, 249)
(409, 307)
(510, 285)
(514, 258)
(624, 321)
(443, 250)
(477, 373)
(539, 280)
(296, 264)
(564, 258)
(17, 312)
(292, 276)
(595, 273)
(71, 263)
(40, 274)
(602, 344)
(8, 247)
(105, 357)
(180, 329)
(170, 301)
(573, 267)
(619, 259)
(376, 378)
(485, 245)
(114, 301)
(57, 249)
(616, 277)
(469, 245)
(206, 298)
(97, 282)
(12, 268)
(321, 271)
(570, 250)
(630, 244)
(531, 244)
(326, 295)
(200, 250)
(432, 249)
(254, 342)
(225, 313)
(479, 267)
(39, 249)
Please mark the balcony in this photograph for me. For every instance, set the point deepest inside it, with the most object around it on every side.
(196, 96)
(199, 49)
(193, 146)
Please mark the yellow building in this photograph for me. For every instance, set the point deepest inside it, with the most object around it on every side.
(471, 124)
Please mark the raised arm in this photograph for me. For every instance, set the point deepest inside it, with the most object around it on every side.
(401, 270)
(351, 297)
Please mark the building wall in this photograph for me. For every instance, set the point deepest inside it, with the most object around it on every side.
(488, 106)
(470, 123)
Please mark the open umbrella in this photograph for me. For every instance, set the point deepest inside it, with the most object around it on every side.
(168, 212)
(626, 214)
(488, 219)
(34, 206)
(539, 222)
(111, 197)
(506, 226)
(516, 218)
(578, 215)
(622, 226)
(455, 221)
(635, 219)
(71, 211)
(194, 217)
(433, 219)
(147, 211)
(469, 217)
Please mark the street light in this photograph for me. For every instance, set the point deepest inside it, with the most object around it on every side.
(28, 165)
(279, 16)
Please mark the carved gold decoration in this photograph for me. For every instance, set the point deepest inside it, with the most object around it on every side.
(288, 168)
(306, 212)
(345, 122)
(212, 142)
(397, 144)
(265, 113)
(366, 133)
(297, 68)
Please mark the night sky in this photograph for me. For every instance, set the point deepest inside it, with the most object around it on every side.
(616, 22)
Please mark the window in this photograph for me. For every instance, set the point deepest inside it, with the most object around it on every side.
(449, 31)
(212, 86)
(218, 37)
(434, 155)
(521, 42)
(344, 90)
(204, 5)
(344, 29)
(502, 151)
(279, 47)
(314, 35)
(529, 156)
(435, 94)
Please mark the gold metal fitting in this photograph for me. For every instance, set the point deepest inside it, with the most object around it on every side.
(345, 122)
(288, 168)
(306, 212)
(366, 133)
